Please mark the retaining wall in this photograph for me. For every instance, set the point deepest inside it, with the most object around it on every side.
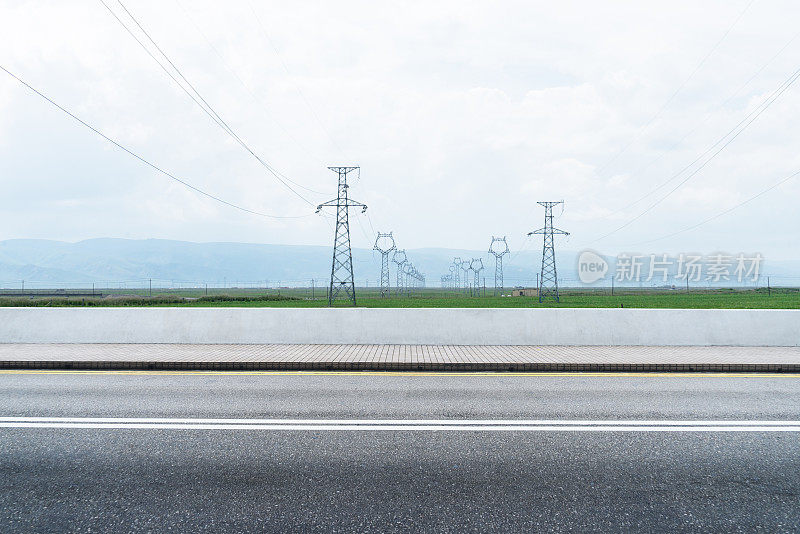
(415, 326)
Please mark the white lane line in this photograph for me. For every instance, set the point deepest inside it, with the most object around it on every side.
(362, 428)
(402, 425)
(460, 422)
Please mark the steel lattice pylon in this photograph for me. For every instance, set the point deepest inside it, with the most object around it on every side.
(342, 280)
(385, 248)
(399, 258)
(548, 279)
(408, 271)
(498, 253)
(465, 269)
(456, 273)
(476, 266)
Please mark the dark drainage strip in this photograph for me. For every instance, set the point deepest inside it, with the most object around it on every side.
(406, 366)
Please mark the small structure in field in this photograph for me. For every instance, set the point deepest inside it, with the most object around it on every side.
(525, 292)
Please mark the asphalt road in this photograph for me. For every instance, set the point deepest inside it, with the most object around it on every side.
(158, 479)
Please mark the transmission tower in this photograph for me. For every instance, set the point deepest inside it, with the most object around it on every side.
(418, 279)
(497, 248)
(408, 270)
(399, 258)
(342, 269)
(384, 244)
(456, 273)
(476, 266)
(465, 268)
(548, 279)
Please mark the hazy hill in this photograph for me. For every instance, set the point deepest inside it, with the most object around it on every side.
(53, 263)
(118, 260)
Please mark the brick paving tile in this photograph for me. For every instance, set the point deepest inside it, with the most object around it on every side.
(401, 357)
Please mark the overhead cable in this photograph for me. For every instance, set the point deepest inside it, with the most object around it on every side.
(202, 102)
(730, 136)
(677, 91)
(145, 161)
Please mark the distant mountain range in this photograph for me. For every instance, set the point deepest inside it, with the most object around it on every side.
(52, 263)
(45, 263)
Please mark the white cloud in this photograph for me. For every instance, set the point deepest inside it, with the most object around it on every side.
(462, 116)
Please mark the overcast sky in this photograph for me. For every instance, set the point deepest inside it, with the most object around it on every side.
(461, 115)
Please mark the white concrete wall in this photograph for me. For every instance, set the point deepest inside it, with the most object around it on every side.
(460, 326)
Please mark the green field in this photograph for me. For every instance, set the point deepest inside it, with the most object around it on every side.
(777, 298)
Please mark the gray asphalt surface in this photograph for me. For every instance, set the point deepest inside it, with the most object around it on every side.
(81, 480)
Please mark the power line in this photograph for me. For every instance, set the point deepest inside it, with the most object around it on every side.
(371, 226)
(744, 123)
(725, 212)
(705, 119)
(297, 87)
(247, 88)
(204, 107)
(524, 247)
(364, 230)
(758, 109)
(369, 219)
(200, 101)
(280, 176)
(143, 160)
(677, 91)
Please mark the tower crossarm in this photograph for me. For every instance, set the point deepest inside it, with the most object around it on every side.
(339, 203)
(541, 231)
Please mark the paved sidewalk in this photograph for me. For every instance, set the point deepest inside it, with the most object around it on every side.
(398, 357)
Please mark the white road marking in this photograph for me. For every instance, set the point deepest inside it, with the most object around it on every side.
(480, 425)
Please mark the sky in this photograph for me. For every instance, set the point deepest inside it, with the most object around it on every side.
(461, 115)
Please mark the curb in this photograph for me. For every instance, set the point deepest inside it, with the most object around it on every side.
(404, 366)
